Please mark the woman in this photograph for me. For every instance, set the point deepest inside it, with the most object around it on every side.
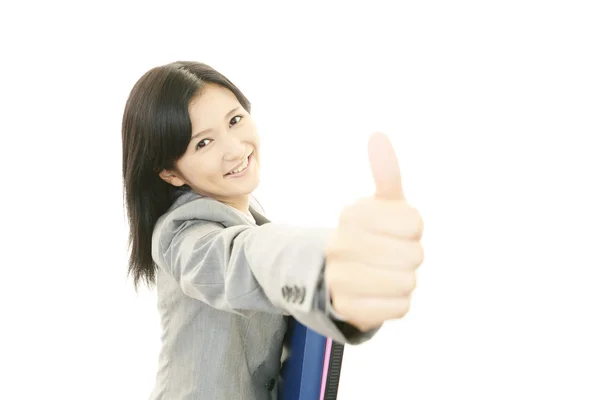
(226, 278)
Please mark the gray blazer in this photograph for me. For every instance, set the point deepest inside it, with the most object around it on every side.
(226, 287)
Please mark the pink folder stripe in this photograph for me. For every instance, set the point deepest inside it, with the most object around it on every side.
(325, 367)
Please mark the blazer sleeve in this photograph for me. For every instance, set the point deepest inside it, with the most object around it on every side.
(243, 269)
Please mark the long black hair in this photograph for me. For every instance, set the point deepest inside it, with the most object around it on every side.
(156, 132)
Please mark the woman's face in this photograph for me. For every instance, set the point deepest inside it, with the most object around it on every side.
(223, 140)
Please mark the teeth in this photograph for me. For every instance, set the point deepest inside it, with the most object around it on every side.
(241, 168)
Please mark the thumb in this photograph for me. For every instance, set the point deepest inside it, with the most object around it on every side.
(385, 168)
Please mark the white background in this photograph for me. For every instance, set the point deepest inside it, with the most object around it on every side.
(493, 108)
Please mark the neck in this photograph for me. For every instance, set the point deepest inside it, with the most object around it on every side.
(241, 203)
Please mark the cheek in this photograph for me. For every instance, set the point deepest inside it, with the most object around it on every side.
(255, 140)
(204, 169)
(184, 167)
(250, 132)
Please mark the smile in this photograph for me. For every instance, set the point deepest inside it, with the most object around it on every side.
(240, 170)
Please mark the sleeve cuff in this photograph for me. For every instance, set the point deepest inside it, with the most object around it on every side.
(322, 302)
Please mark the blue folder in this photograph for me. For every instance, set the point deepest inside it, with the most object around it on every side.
(312, 368)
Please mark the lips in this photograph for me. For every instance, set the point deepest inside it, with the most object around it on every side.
(247, 158)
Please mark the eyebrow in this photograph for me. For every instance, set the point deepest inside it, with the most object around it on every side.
(197, 134)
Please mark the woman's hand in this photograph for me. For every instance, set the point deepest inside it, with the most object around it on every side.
(371, 259)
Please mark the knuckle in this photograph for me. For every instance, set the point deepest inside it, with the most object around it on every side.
(418, 222)
(333, 274)
(413, 218)
(341, 305)
(403, 308)
(409, 283)
(419, 254)
(410, 219)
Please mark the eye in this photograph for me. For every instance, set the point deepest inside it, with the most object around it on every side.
(235, 120)
(201, 144)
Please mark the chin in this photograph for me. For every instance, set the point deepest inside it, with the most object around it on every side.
(242, 190)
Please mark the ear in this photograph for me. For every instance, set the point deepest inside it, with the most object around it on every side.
(171, 177)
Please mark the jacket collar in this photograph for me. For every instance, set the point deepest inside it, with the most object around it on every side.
(187, 195)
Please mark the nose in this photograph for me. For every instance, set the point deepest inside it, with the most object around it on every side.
(234, 149)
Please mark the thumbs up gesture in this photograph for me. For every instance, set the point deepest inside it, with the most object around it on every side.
(372, 257)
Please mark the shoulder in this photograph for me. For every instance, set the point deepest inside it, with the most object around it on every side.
(195, 212)
(192, 213)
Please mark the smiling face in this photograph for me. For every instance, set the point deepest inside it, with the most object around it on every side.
(222, 158)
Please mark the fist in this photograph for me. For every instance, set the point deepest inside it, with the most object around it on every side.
(373, 255)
